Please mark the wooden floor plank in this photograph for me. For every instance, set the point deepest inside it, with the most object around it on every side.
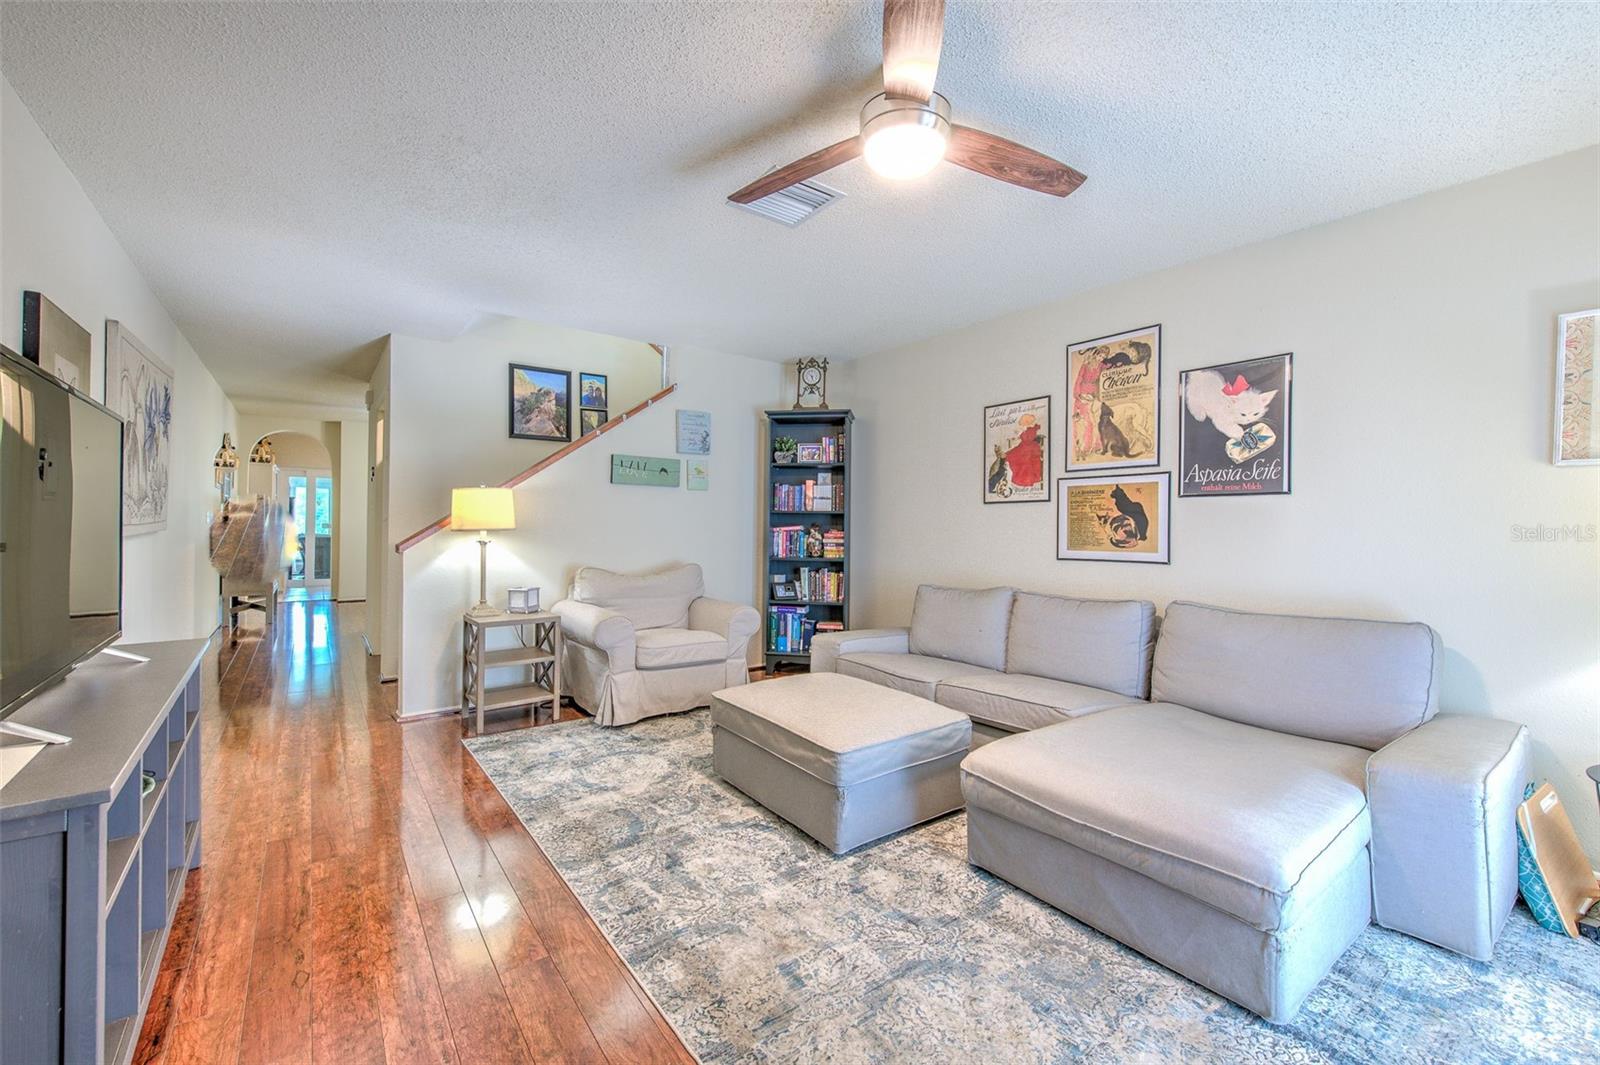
(366, 894)
(482, 1022)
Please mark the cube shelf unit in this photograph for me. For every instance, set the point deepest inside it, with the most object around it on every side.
(805, 427)
(93, 867)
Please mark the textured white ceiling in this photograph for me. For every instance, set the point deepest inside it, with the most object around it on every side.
(297, 180)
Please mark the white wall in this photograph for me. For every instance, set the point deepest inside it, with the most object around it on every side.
(571, 515)
(350, 498)
(383, 565)
(1423, 338)
(449, 400)
(52, 240)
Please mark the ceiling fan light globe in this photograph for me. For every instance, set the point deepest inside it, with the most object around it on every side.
(903, 138)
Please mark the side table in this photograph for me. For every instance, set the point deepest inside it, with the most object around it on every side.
(537, 651)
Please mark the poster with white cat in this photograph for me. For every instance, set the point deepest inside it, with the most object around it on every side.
(1235, 433)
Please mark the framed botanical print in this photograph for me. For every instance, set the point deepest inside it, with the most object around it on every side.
(1577, 441)
(1235, 433)
(1115, 519)
(541, 403)
(141, 388)
(592, 390)
(1016, 451)
(1114, 401)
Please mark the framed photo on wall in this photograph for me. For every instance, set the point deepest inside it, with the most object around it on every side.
(1016, 451)
(1235, 433)
(540, 403)
(592, 390)
(590, 420)
(1114, 401)
(1577, 440)
(1115, 519)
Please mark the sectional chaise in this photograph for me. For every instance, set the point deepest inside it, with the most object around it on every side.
(1236, 797)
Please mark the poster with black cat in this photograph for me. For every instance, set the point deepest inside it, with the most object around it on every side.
(1126, 518)
(1114, 401)
(1235, 433)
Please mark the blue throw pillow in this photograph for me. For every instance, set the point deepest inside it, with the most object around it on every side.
(1530, 881)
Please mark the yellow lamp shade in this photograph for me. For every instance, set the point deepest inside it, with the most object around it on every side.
(482, 509)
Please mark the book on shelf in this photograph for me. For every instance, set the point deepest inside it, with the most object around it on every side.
(789, 541)
(823, 584)
(825, 492)
(789, 629)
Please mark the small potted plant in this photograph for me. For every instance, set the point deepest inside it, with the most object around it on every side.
(783, 449)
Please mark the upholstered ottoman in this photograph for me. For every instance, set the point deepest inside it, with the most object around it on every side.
(844, 760)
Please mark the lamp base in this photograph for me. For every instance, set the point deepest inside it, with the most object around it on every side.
(483, 610)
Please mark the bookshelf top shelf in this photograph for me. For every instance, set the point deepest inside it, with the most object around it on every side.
(818, 415)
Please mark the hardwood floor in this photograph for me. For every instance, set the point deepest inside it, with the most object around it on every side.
(366, 895)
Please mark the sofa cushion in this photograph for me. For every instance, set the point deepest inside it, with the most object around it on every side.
(1101, 643)
(839, 729)
(918, 674)
(650, 600)
(962, 624)
(1017, 702)
(670, 648)
(1252, 822)
(1359, 682)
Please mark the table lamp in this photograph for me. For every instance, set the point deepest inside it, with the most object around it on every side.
(482, 509)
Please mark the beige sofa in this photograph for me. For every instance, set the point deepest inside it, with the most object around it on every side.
(1011, 661)
(1291, 781)
(639, 645)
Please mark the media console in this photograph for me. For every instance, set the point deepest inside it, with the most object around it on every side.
(91, 868)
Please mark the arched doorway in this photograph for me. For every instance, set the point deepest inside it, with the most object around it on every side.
(300, 476)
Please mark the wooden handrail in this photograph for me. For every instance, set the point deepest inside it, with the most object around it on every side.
(549, 460)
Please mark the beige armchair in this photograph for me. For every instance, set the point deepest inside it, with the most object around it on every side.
(637, 646)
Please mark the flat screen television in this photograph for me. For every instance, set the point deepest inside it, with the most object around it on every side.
(60, 529)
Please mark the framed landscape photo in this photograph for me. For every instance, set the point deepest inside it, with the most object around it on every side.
(590, 420)
(1114, 401)
(1577, 441)
(592, 390)
(1234, 435)
(541, 403)
(1115, 519)
(1016, 451)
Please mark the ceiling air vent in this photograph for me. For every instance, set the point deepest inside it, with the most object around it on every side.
(795, 204)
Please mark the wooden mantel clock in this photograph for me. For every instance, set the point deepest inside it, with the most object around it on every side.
(811, 380)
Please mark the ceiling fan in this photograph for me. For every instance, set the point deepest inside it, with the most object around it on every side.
(906, 129)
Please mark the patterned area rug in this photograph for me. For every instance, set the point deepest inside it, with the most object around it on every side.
(761, 946)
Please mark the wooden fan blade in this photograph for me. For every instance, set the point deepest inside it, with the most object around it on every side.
(997, 157)
(799, 170)
(913, 34)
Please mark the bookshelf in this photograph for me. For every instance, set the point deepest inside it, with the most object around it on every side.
(823, 582)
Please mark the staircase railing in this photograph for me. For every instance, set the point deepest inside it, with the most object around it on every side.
(549, 460)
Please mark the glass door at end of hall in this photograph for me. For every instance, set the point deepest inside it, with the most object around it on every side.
(311, 510)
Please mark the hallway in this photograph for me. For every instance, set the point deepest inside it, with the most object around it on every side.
(365, 894)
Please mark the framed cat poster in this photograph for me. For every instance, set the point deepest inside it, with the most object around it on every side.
(1235, 432)
(1016, 451)
(1115, 519)
(1114, 401)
